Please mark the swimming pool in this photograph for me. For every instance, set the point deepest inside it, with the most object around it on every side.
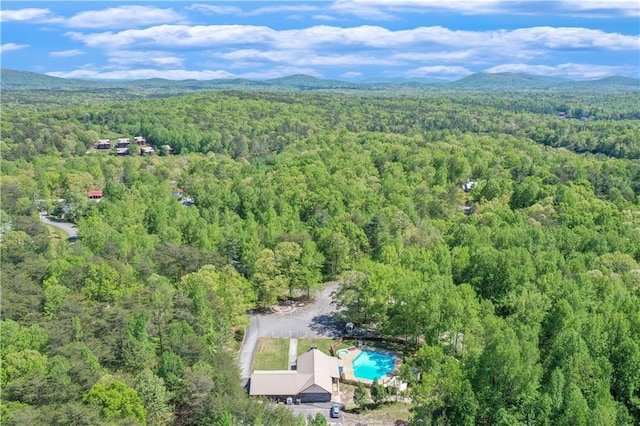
(373, 365)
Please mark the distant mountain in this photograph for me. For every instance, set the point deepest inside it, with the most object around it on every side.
(484, 82)
(404, 80)
(506, 81)
(13, 79)
(161, 83)
(615, 82)
(307, 82)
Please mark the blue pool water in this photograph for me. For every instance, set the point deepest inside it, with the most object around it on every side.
(372, 365)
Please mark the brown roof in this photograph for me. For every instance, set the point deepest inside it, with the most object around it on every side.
(315, 373)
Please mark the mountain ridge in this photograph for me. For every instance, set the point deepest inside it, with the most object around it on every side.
(24, 80)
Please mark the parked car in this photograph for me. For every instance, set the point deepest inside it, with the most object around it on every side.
(335, 411)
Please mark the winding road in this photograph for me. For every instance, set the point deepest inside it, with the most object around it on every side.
(70, 228)
(312, 321)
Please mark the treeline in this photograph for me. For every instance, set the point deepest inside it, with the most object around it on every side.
(252, 125)
(524, 311)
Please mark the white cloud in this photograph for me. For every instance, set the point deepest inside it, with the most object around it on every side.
(179, 36)
(361, 10)
(629, 8)
(567, 37)
(282, 8)
(325, 18)
(134, 57)
(12, 46)
(28, 14)
(66, 53)
(123, 17)
(440, 56)
(351, 74)
(369, 36)
(594, 8)
(462, 6)
(138, 74)
(214, 9)
(305, 58)
(232, 10)
(438, 71)
(569, 70)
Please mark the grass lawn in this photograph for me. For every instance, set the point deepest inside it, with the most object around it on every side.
(322, 344)
(387, 413)
(271, 354)
(57, 235)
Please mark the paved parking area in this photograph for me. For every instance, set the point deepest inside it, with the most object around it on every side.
(312, 409)
(313, 320)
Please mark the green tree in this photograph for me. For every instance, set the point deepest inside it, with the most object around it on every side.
(318, 420)
(154, 396)
(287, 255)
(103, 283)
(269, 284)
(16, 245)
(116, 400)
(171, 369)
(311, 261)
(360, 395)
(378, 392)
(54, 297)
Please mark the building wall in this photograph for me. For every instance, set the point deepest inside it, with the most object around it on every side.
(316, 397)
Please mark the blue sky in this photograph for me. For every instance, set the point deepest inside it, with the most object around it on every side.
(347, 40)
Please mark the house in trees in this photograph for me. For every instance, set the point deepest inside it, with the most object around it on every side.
(95, 195)
(122, 151)
(469, 185)
(178, 193)
(146, 150)
(123, 143)
(167, 150)
(315, 379)
(103, 144)
(140, 140)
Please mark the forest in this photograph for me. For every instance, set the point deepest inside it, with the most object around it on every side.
(518, 300)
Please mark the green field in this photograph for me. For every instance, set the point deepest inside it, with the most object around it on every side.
(271, 354)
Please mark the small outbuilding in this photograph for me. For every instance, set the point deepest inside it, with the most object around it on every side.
(95, 195)
(469, 185)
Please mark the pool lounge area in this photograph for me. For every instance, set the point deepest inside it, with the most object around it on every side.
(366, 364)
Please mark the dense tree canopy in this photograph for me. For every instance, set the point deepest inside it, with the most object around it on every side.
(518, 302)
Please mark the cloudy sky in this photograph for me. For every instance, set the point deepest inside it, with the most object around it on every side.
(348, 40)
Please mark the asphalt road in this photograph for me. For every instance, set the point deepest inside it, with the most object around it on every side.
(312, 321)
(69, 228)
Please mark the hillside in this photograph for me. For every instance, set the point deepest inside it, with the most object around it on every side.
(18, 80)
(13, 80)
(505, 82)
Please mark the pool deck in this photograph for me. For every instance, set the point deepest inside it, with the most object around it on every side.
(349, 374)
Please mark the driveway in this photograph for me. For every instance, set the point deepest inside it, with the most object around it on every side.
(312, 321)
(70, 228)
(312, 409)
